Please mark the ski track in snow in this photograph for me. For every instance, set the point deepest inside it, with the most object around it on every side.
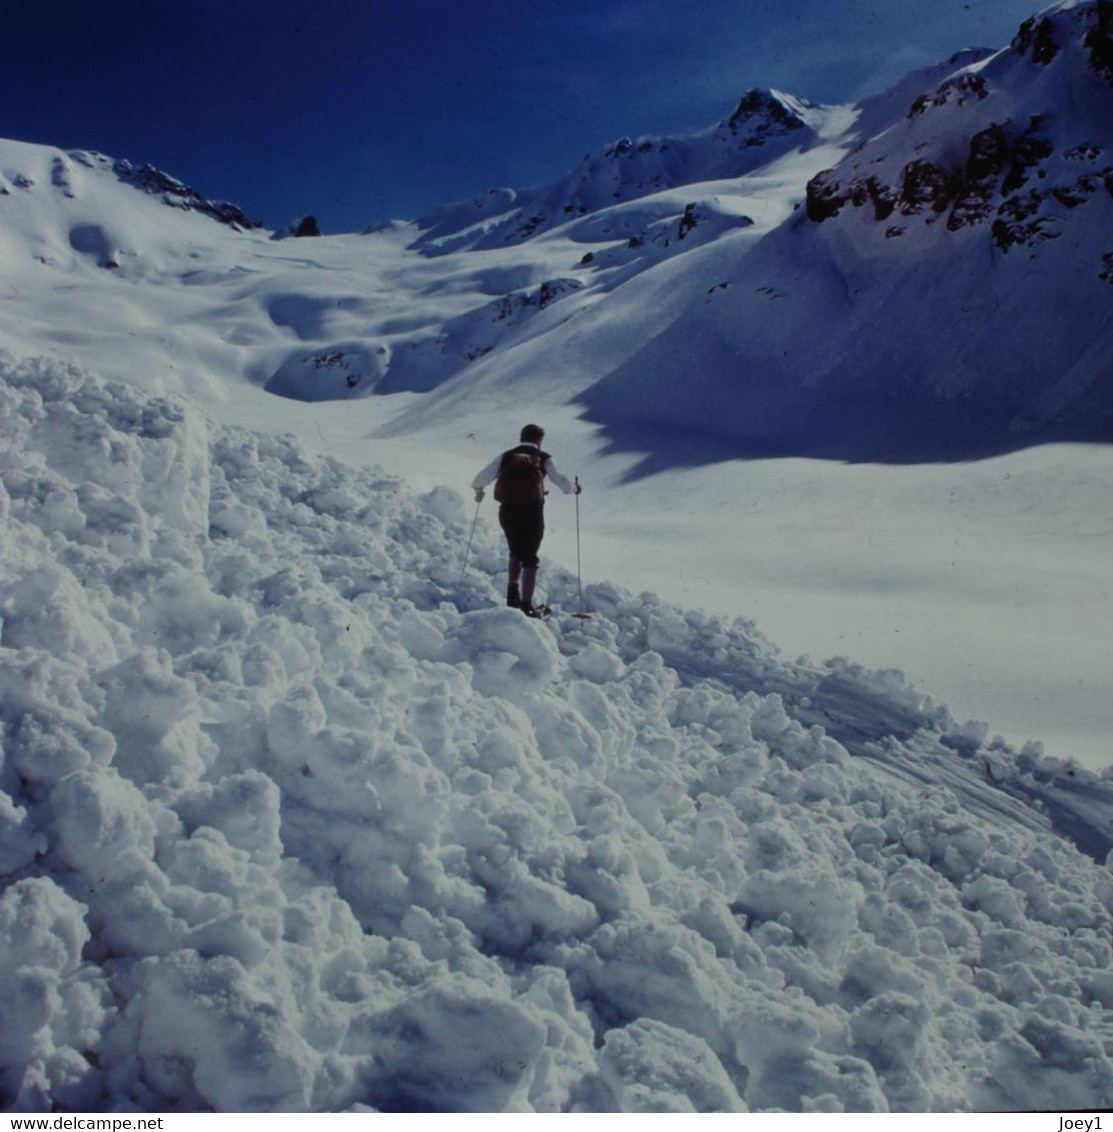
(294, 817)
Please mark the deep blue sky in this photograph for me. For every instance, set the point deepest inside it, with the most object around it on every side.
(360, 110)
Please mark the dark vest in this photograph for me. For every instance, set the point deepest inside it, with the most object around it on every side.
(535, 501)
(530, 448)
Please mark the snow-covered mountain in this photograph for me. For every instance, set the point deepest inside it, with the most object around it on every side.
(765, 125)
(944, 293)
(921, 276)
(294, 815)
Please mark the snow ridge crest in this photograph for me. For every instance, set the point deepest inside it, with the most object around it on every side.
(764, 125)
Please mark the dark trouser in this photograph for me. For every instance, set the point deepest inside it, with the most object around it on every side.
(524, 528)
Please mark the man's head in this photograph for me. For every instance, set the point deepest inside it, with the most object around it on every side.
(532, 434)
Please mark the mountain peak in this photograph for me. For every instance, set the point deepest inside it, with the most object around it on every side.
(762, 114)
(764, 125)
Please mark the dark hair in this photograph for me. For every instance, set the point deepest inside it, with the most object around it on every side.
(532, 434)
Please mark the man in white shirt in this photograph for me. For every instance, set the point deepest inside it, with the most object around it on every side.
(519, 475)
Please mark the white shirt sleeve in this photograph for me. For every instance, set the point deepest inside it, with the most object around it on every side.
(558, 477)
(489, 473)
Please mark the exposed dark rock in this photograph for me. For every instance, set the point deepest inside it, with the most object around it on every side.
(1083, 152)
(1019, 221)
(989, 156)
(1099, 41)
(927, 185)
(1027, 152)
(996, 169)
(1038, 37)
(1071, 196)
(527, 228)
(553, 289)
(823, 196)
(871, 191)
(307, 226)
(958, 90)
(762, 116)
(688, 221)
(1068, 196)
(151, 180)
(1022, 206)
(511, 307)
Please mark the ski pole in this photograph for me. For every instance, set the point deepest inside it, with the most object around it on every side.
(579, 569)
(471, 535)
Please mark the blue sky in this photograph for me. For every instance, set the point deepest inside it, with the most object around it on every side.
(360, 110)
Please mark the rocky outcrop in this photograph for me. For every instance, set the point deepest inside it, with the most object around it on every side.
(1099, 41)
(511, 307)
(969, 154)
(1040, 39)
(927, 187)
(957, 92)
(1036, 38)
(761, 116)
(307, 226)
(826, 195)
(173, 192)
(922, 187)
(990, 155)
(992, 185)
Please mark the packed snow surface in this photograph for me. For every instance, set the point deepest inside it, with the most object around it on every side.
(295, 816)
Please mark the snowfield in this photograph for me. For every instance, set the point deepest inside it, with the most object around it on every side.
(294, 816)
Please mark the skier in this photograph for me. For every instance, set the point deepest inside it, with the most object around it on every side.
(519, 476)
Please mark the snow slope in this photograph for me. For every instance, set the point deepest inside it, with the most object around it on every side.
(293, 816)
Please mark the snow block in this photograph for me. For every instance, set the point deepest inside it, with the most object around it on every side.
(510, 655)
(653, 1067)
(52, 1008)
